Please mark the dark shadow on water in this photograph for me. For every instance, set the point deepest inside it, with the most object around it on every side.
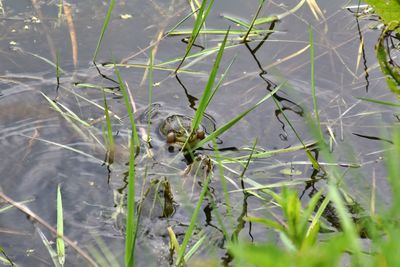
(291, 106)
(363, 55)
(192, 99)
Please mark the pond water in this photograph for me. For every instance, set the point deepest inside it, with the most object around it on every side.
(41, 149)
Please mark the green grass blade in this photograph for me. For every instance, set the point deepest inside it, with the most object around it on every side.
(89, 156)
(387, 103)
(201, 18)
(60, 11)
(103, 30)
(253, 21)
(60, 229)
(270, 153)
(232, 122)
(6, 260)
(128, 108)
(270, 19)
(224, 184)
(252, 32)
(264, 20)
(237, 21)
(49, 247)
(194, 248)
(109, 135)
(182, 21)
(318, 214)
(106, 257)
(221, 80)
(9, 207)
(150, 92)
(155, 67)
(208, 51)
(313, 161)
(51, 63)
(193, 220)
(334, 177)
(58, 68)
(69, 115)
(130, 235)
(205, 99)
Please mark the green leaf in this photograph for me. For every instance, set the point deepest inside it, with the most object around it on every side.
(389, 11)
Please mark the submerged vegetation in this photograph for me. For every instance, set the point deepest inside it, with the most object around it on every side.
(193, 206)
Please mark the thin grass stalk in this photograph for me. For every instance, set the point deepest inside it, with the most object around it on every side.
(155, 67)
(60, 11)
(207, 93)
(193, 221)
(109, 258)
(253, 21)
(235, 120)
(130, 238)
(48, 61)
(182, 21)
(109, 135)
(201, 18)
(60, 229)
(253, 32)
(237, 21)
(387, 103)
(279, 16)
(49, 247)
(58, 68)
(129, 108)
(334, 195)
(207, 51)
(103, 30)
(150, 92)
(223, 184)
(223, 76)
(318, 214)
(314, 162)
(101, 260)
(9, 207)
(194, 248)
(314, 98)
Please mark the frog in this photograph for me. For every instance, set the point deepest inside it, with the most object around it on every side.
(158, 199)
(177, 130)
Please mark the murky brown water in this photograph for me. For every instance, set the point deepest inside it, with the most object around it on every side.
(33, 136)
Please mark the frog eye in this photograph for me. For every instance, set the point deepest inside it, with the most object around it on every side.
(200, 134)
(171, 138)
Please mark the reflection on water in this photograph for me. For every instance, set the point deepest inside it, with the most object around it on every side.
(42, 147)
